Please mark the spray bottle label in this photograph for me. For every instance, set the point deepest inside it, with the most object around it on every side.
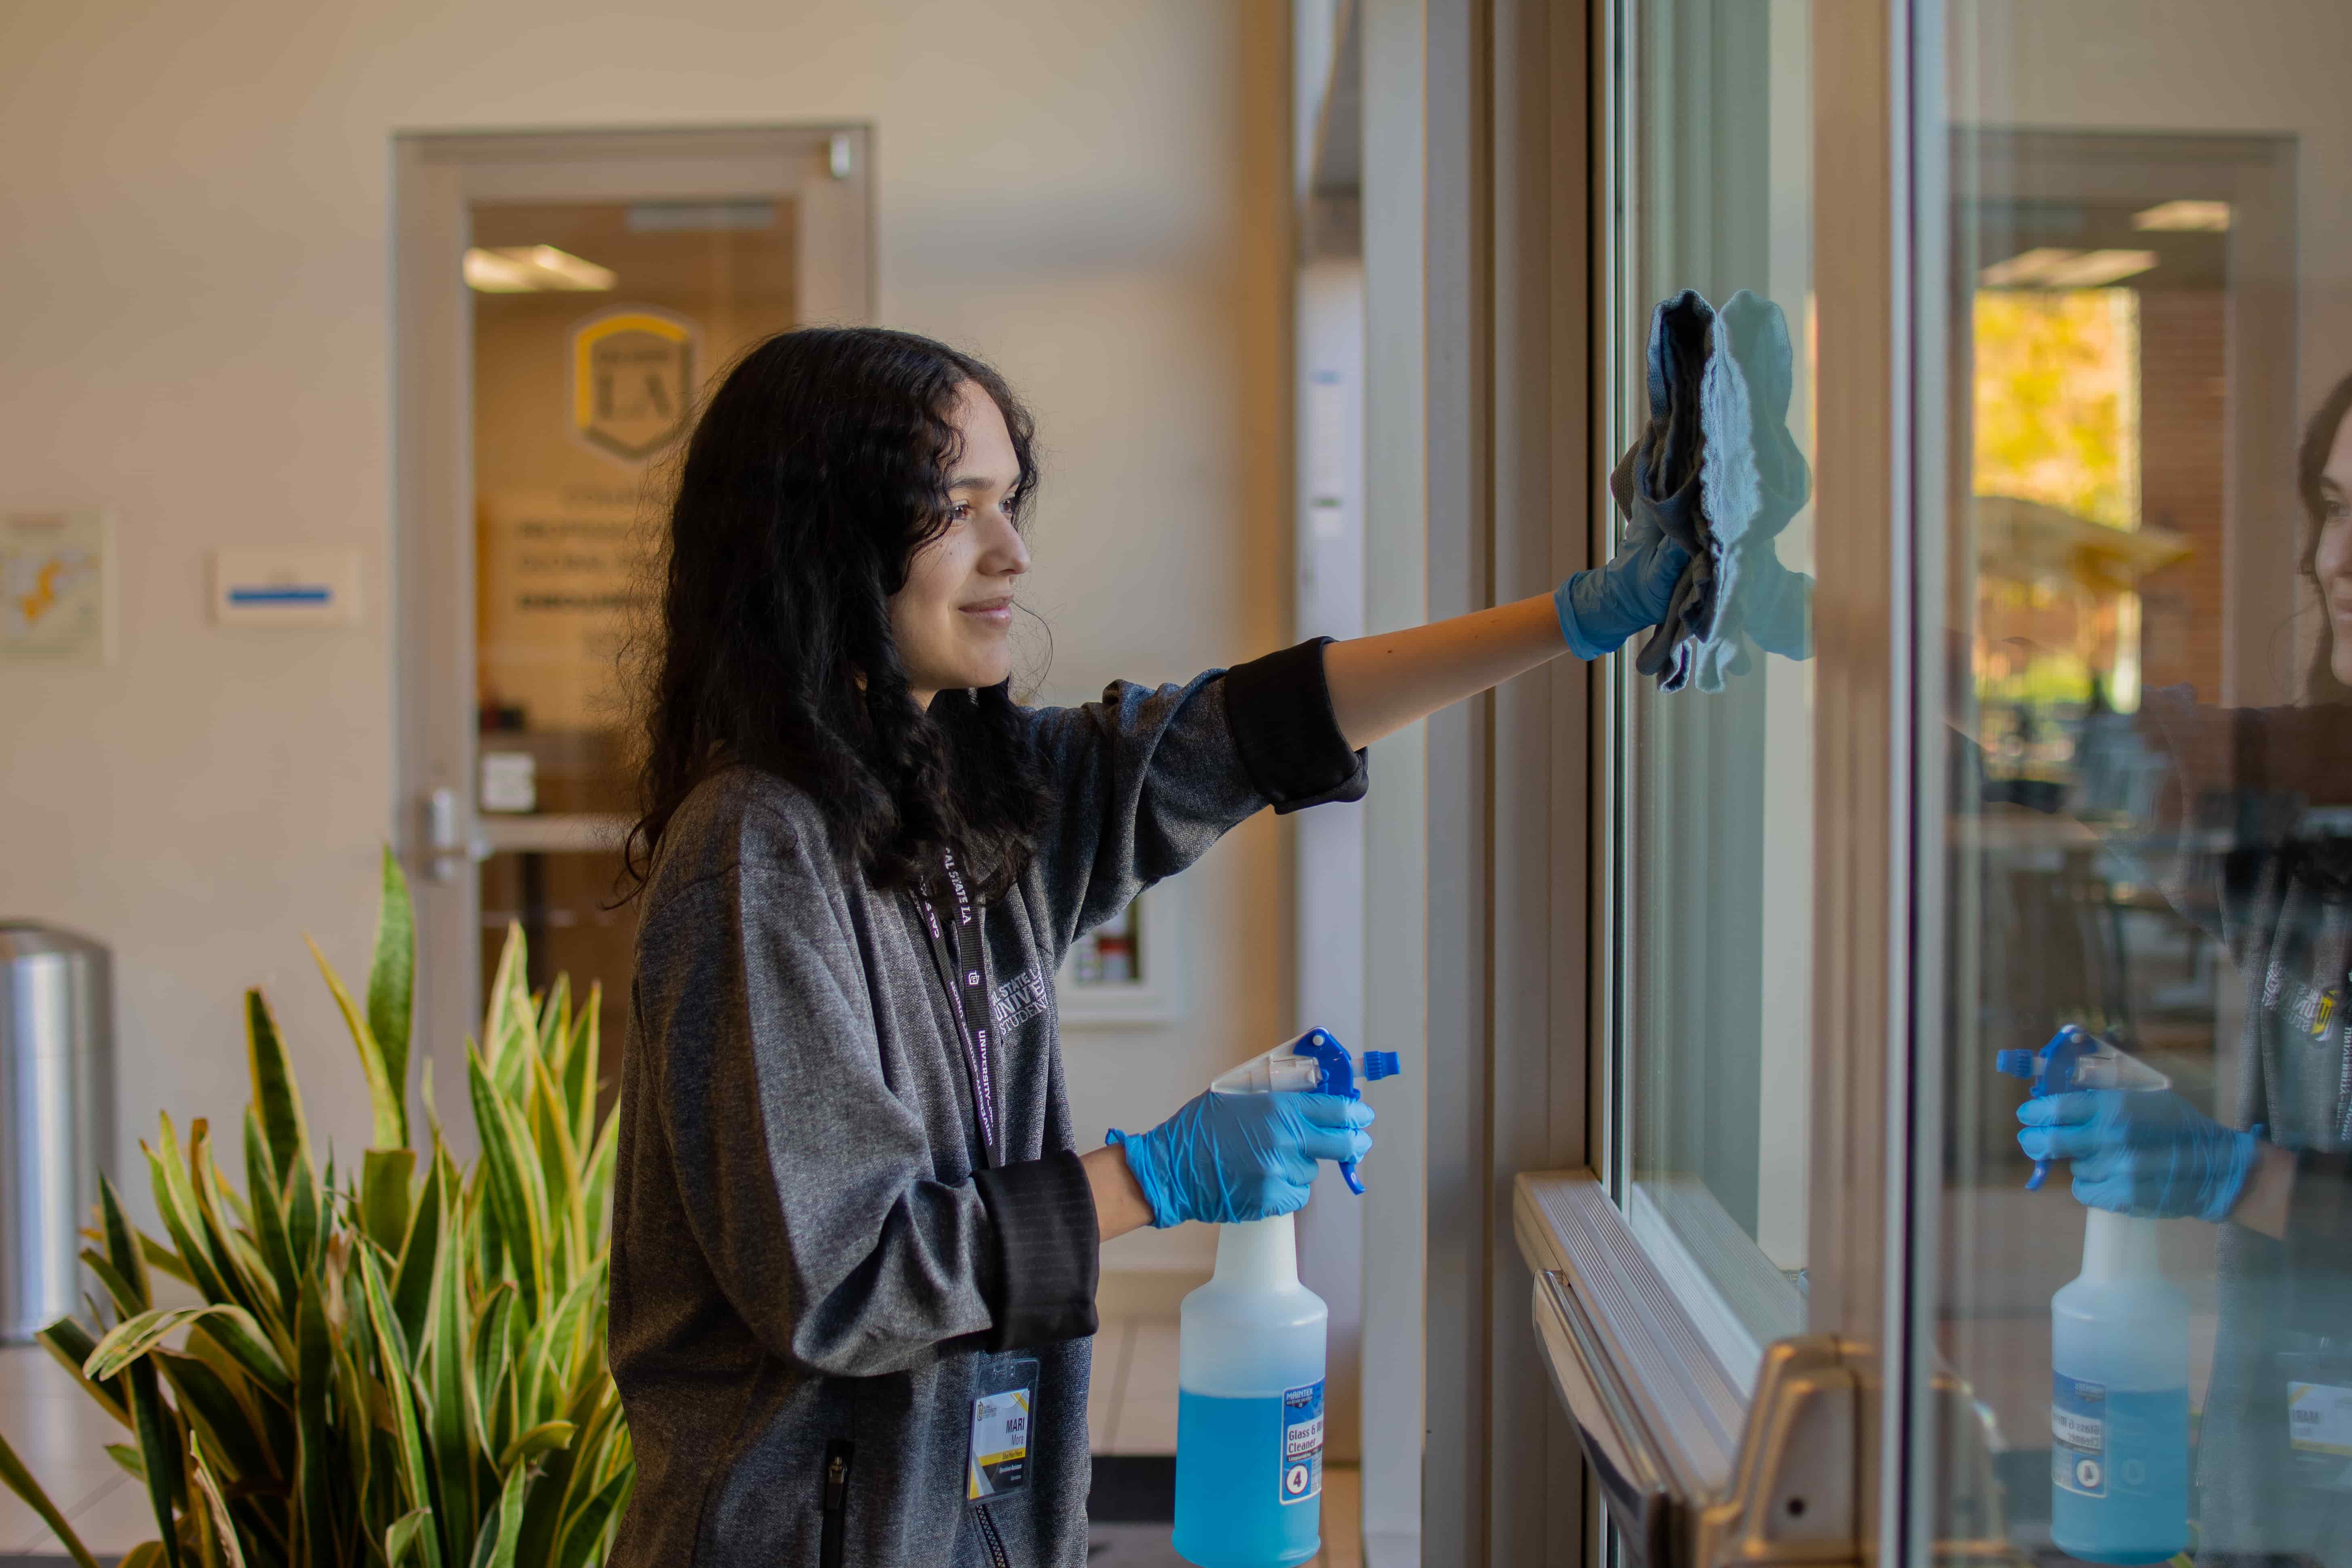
(1302, 1443)
(2078, 1434)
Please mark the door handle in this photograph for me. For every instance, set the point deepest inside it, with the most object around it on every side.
(1794, 1497)
(1791, 1497)
(449, 848)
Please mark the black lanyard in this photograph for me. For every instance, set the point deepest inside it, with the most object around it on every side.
(961, 958)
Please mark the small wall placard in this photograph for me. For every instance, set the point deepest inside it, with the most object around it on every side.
(286, 585)
(56, 588)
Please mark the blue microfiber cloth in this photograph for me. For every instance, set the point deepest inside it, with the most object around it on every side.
(1657, 484)
(1752, 480)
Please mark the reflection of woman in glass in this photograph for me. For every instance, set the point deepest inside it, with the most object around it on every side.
(2262, 860)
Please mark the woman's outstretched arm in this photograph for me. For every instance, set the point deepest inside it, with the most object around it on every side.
(1380, 684)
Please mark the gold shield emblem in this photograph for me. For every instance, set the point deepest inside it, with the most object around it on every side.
(632, 380)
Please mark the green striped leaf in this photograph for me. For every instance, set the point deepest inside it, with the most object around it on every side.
(455, 1454)
(558, 1164)
(119, 1291)
(219, 1534)
(206, 1399)
(583, 1538)
(384, 1097)
(241, 1268)
(383, 1197)
(175, 1201)
(412, 1279)
(509, 1000)
(165, 1451)
(391, 979)
(494, 1546)
(407, 1434)
(275, 1097)
(157, 1256)
(513, 1184)
(124, 1252)
(231, 1327)
(268, 1207)
(313, 1454)
(491, 1354)
(400, 1541)
(539, 1439)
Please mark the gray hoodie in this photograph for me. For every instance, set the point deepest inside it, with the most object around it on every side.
(2257, 858)
(814, 1271)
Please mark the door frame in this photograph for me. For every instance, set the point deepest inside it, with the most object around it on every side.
(1599, 1295)
(827, 168)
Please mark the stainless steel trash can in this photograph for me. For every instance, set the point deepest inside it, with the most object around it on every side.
(57, 1116)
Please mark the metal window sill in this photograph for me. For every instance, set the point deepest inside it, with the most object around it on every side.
(1659, 1417)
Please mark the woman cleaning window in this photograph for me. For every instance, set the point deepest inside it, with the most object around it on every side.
(851, 1217)
(2257, 858)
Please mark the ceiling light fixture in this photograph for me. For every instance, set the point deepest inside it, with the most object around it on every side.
(2047, 267)
(2184, 217)
(534, 269)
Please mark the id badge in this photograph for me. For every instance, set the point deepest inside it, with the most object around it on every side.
(1002, 1423)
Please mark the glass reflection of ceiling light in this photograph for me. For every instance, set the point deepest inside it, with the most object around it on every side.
(534, 269)
(2048, 267)
(2184, 217)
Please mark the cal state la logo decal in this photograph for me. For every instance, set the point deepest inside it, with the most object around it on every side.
(632, 380)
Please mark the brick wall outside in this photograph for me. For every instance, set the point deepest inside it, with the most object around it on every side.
(2184, 440)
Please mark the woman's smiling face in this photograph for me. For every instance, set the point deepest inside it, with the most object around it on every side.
(953, 620)
(2331, 561)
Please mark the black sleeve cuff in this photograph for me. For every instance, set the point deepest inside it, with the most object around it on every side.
(1279, 709)
(1048, 1250)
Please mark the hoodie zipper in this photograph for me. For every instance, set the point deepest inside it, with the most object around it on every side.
(997, 1556)
(837, 1454)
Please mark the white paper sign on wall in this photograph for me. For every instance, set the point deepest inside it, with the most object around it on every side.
(286, 585)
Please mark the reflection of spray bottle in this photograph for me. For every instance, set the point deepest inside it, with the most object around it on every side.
(2118, 1353)
(1249, 1379)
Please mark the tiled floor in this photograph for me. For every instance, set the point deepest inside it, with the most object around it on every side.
(1131, 1405)
(61, 1436)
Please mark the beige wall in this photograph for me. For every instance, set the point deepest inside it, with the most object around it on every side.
(194, 299)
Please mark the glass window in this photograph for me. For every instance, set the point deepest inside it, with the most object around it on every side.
(2140, 828)
(1710, 784)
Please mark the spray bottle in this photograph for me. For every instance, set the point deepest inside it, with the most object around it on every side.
(1249, 1379)
(2118, 1353)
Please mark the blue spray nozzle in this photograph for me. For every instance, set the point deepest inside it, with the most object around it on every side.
(1314, 1063)
(2050, 1070)
(1338, 1077)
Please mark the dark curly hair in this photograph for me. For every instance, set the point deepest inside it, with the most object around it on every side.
(2311, 460)
(816, 471)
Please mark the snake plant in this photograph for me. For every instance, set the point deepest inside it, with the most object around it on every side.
(403, 1364)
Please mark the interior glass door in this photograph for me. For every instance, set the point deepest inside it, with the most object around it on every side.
(567, 300)
(2135, 791)
(596, 327)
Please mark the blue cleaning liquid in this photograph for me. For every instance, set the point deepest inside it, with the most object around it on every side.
(2120, 1400)
(2119, 1492)
(1231, 1475)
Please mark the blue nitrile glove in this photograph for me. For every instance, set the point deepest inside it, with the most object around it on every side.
(1601, 608)
(2141, 1152)
(1225, 1158)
